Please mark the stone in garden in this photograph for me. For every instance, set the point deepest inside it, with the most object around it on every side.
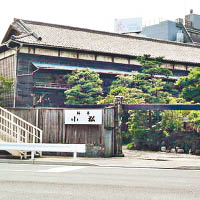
(173, 150)
(197, 152)
(163, 149)
(180, 150)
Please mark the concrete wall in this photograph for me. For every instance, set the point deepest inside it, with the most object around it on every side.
(165, 30)
(172, 30)
(195, 19)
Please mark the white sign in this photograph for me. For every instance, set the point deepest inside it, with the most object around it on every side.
(83, 116)
(130, 25)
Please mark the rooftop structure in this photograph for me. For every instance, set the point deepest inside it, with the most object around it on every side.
(182, 30)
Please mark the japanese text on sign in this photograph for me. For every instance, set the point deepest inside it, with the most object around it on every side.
(83, 116)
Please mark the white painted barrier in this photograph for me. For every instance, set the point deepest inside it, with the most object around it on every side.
(33, 147)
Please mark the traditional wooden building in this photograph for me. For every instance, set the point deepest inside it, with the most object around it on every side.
(38, 56)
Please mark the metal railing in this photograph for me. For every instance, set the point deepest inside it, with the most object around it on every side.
(16, 129)
(51, 85)
(74, 148)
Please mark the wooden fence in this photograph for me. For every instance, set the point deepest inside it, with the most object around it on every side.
(99, 138)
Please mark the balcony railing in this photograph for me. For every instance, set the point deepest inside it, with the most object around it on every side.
(51, 85)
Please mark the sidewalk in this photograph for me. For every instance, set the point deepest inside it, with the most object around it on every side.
(132, 159)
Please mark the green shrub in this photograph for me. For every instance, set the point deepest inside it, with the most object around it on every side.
(130, 146)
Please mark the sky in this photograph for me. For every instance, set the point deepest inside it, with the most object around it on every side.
(93, 14)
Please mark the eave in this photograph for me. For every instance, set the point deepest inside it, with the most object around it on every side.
(98, 52)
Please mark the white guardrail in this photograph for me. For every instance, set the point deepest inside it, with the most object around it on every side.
(33, 147)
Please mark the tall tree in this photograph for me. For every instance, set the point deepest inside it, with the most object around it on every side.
(85, 87)
(6, 86)
(153, 66)
(190, 86)
(148, 87)
(130, 95)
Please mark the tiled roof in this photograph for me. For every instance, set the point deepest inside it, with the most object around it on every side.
(50, 35)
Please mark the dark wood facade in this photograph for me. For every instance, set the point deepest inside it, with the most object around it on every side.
(45, 86)
(38, 84)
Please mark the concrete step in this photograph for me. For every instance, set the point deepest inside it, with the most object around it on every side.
(14, 153)
(4, 137)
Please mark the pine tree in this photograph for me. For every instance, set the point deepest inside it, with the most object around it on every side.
(85, 87)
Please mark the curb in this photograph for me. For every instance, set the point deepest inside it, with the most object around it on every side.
(189, 168)
(61, 163)
(74, 163)
(39, 162)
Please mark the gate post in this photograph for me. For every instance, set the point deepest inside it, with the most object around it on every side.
(118, 134)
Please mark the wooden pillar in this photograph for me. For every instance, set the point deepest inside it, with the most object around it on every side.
(118, 134)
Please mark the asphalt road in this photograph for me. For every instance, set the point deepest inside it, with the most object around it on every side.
(42, 182)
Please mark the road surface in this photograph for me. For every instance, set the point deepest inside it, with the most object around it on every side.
(48, 182)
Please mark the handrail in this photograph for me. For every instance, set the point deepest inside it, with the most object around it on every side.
(10, 135)
(19, 118)
(51, 85)
(17, 125)
(18, 129)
